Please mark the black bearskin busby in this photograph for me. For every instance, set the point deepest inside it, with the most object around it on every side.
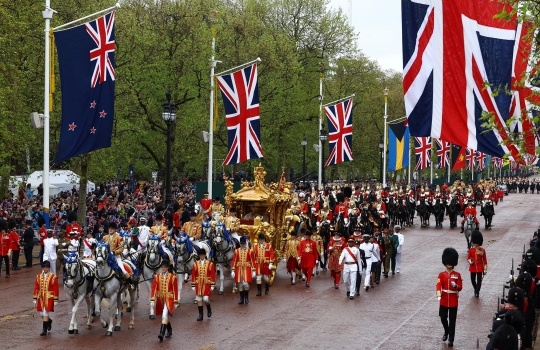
(514, 318)
(347, 192)
(533, 254)
(477, 238)
(72, 216)
(450, 257)
(12, 224)
(3, 225)
(530, 267)
(516, 297)
(524, 281)
(340, 197)
(505, 337)
(41, 221)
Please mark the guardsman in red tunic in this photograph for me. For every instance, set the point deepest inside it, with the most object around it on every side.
(73, 225)
(243, 263)
(15, 245)
(308, 256)
(290, 255)
(46, 295)
(206, 203)
(448, 286)
(335, 246)
(341, 207)
(302, 204)
(203, 280)
(264, 262)
(165, 296)
(5, 246)
(477, 261)
(470, 210)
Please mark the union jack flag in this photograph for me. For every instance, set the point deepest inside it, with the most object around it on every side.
(241, 101)
(453, 53)
(481, 159)
(497, 162)
(443, 154)
(339, 132)
(104, 39)
(422, 149)
(524, 92)
(470, 158)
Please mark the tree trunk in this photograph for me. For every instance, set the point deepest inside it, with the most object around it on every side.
(81, 213)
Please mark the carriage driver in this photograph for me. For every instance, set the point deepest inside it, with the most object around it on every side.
(116, 248)
(470, 210)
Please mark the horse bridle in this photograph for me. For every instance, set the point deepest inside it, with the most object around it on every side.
(229, 245)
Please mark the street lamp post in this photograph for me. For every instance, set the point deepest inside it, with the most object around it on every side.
(169, 116)
(304, 144)
(381, 147)
(323, 136)
(384, 142)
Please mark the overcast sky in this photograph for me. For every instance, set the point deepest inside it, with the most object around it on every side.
(378, 24)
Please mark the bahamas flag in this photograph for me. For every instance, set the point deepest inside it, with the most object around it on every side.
(398, 145)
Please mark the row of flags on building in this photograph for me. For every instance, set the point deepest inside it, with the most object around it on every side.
(460, 58)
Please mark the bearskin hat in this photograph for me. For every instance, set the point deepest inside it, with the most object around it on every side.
(530, 267)
(533, 254)
(3, 225)
(72, 216)
(524, 281)
(347, 192)
(340, 197)
(477, 238)
(505, 337)
(516, 297)
(515, 319)
(12, 224)
(450, 257)
(41, 221)
(176, 206)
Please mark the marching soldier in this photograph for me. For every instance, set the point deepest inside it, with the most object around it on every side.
(308, 256)
(335, 247)
(477, 261)
(242, 269)
(45, 295)
(290, 256)
(165, 296)
(5, 245)
(264, 258)
(203, 280)
(192, 228)
(350, 257)
(448, 286)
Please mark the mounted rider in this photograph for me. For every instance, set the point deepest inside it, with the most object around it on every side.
(142, 236)
(163, 233)
(115, 250)
(470, 210)
(192, 228)
(232, 222)
(341, 207)
(217, 207)
(206, 203)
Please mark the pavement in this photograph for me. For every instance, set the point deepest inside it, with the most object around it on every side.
(400, 313)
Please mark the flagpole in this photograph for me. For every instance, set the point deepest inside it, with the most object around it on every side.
(85, 17)
(410, 162)
(449, 164)
(385, 134)
(472, 172)
(213, 63)
(320, 128)
(431, 170)
(258, 59)
(337, 101)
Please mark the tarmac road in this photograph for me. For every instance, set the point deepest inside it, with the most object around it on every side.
(400, 313)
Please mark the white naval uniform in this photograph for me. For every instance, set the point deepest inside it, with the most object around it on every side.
(367, 248)
(401, 240)
(350, 267)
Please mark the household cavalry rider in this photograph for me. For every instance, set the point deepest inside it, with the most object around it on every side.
(206, 203)
(115, 250)
(470, 210)
(264, 262)
(324, 214)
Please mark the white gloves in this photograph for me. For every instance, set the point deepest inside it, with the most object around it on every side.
(232, 274)
(35, 302)
(470, 262)
(454, 284)
(64, 244)
(176, 305)
(191, 239)
(152, 304)
(55, 303)
(438, 298)
(253, 274)
(330, 248)
(270, 266)
(212, 288)
(511, 277)
(283, 259)
(316, 262)
(193, 288)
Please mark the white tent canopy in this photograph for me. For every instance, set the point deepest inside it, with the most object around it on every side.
(59, 180)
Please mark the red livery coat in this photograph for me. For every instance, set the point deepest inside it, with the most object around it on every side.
(335, 247)
(449, 295)
(164, 292)
(5, 244)
(243, 263)
(206, 203)
(308, 254)
(264, 255)
(15, 240)
(75, 227)
(203, 277)
(46, 291)
(478, 258)
(343, 209)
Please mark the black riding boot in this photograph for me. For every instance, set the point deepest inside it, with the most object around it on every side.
(169, 330)
(462, 229)
(209, 309)
(259, 287)
(200, 318)
(162, 332)
(49, 324)
(241, 302)
(266, 288)
(44, 331)
(246, 296)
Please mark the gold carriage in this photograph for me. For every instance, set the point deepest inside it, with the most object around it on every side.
(261, 209)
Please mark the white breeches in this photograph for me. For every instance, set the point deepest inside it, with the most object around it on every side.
(367, 274)
(203, 298)
(165, 314)
(53, 265)
(398, 261)
(120, 264)
(262, 277)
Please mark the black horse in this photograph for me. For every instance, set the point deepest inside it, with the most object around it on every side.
(487, 212)
(411, 209)
(391, 209)
(365, 222)
(423, 212)
(453, 210)
(438, 212)
(324, 232)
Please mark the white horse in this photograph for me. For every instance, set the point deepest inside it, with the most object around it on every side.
(131, 255)
(152, 265)
(76, 285)
(222, 252)
(108, 284)
(185, 256)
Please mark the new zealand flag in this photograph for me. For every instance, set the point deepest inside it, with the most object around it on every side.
(86, 59)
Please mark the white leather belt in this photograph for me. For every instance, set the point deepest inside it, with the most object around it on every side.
(450, 291)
